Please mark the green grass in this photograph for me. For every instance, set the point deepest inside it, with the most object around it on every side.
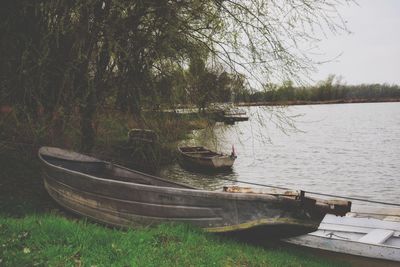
(51, 240)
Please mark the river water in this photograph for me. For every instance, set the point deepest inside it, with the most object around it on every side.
(345, 149)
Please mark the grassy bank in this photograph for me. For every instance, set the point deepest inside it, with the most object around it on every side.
(50, 240)
(34, 230)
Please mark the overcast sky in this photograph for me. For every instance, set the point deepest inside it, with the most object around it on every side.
(371, 53)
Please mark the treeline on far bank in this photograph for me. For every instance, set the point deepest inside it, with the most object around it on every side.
(326, 92)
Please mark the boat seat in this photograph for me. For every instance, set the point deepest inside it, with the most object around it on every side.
(376, 236)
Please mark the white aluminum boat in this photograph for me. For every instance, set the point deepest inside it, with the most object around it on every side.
(373, 233)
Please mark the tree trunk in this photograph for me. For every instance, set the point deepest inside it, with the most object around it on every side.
(88, 133)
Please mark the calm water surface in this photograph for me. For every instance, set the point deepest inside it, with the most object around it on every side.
(345, 149)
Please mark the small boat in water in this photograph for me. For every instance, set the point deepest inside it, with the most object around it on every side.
(229, 115)
(118, 196)
(204, 159)
(369, 233)
(234, 115)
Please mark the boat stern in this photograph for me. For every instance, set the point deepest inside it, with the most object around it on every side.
(318, 208)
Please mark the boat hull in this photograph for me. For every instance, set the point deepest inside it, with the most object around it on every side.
(217, 162)
(117, 196)
(352, 248)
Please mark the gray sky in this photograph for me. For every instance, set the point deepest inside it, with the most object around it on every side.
(371, 53)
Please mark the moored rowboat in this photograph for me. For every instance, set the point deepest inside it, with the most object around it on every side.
(118, 196)
(201, 158)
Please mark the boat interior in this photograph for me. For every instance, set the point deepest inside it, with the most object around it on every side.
(361, 229)
(199, 151)
(109, 171)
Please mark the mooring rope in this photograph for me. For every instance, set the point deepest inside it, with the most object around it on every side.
(314, 193)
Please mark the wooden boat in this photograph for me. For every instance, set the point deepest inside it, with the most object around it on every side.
(369, 233)
(229, 115)
(118, 196)
(201, 158)
(234, 115)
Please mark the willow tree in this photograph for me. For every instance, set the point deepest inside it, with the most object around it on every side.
(73, 55)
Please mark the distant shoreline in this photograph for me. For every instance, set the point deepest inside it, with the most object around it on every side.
(326, 102)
